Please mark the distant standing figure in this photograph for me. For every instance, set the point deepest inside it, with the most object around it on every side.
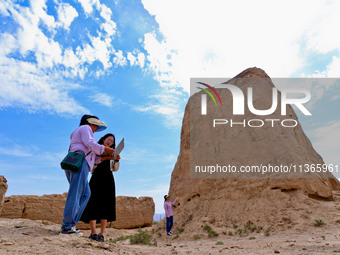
(169, 213)
(101, 207)
(82, 141)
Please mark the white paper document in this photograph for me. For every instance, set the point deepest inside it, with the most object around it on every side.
(119, 148)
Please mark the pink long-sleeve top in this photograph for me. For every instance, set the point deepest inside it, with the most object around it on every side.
(168, 208)
(82, 139)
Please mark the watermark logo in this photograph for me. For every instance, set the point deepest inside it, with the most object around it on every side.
(204, 97)
(239, 102)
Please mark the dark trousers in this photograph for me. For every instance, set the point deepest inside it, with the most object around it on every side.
(169, 223)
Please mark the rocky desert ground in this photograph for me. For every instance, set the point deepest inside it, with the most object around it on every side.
(23, 236)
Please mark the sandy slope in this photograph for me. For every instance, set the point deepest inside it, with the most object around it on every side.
(22, 236)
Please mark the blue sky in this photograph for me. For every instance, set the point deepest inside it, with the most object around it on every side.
(130, 63)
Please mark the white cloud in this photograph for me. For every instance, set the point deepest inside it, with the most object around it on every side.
(335, 98)
(70, 60)
(168, 103)
(4, 8)
(42, 178)
(131, 58)
(49, 53)
(141, 59)
(109, 26)
(136, 59)
(320, 35)
(103, 99)
(8, 44)
(157, 194)
(119, 58)
(66, 14)
(35, 67)
(87, 5)
(333, 69)
(327, 143)
(15, 151)
(101, 51)
(162, 61)
(24, 86)
(222, 38)
(39, 10)
(134, 154)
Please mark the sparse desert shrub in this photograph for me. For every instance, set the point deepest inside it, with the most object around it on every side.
(211, 233)
(142, 237)
(180, 230)
(119, 238)
(239, 231)
(196, 237)
(318, 223)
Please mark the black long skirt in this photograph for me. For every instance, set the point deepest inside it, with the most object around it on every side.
(102, 203)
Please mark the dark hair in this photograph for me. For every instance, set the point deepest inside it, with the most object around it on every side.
(101, 140)
(83, 120)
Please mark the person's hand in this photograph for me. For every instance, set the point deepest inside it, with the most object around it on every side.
(109, 150)
(107, 158)
(177, 198)
(118, 157)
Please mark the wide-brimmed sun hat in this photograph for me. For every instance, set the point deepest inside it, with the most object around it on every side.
(101, 125)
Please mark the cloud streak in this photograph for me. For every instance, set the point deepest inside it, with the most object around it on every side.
(103, 99)
(15, 151)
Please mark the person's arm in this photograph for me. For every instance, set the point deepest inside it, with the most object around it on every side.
(97, 159)
(174, 202)
(87, 138)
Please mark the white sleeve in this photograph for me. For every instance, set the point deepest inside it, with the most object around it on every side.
(114, 166)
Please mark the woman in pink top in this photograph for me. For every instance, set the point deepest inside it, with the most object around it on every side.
(169, 213)
(82, 141)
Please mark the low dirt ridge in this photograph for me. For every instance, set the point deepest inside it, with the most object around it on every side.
(132, 212)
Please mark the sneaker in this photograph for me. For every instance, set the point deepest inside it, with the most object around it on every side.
(72, 230)
(77, 231)
(100, 238)
(93, 237)
(169, 233)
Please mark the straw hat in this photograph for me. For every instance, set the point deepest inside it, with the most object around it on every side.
(101, 125)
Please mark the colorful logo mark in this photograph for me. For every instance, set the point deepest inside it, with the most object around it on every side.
(208, 92)
(239, 100)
